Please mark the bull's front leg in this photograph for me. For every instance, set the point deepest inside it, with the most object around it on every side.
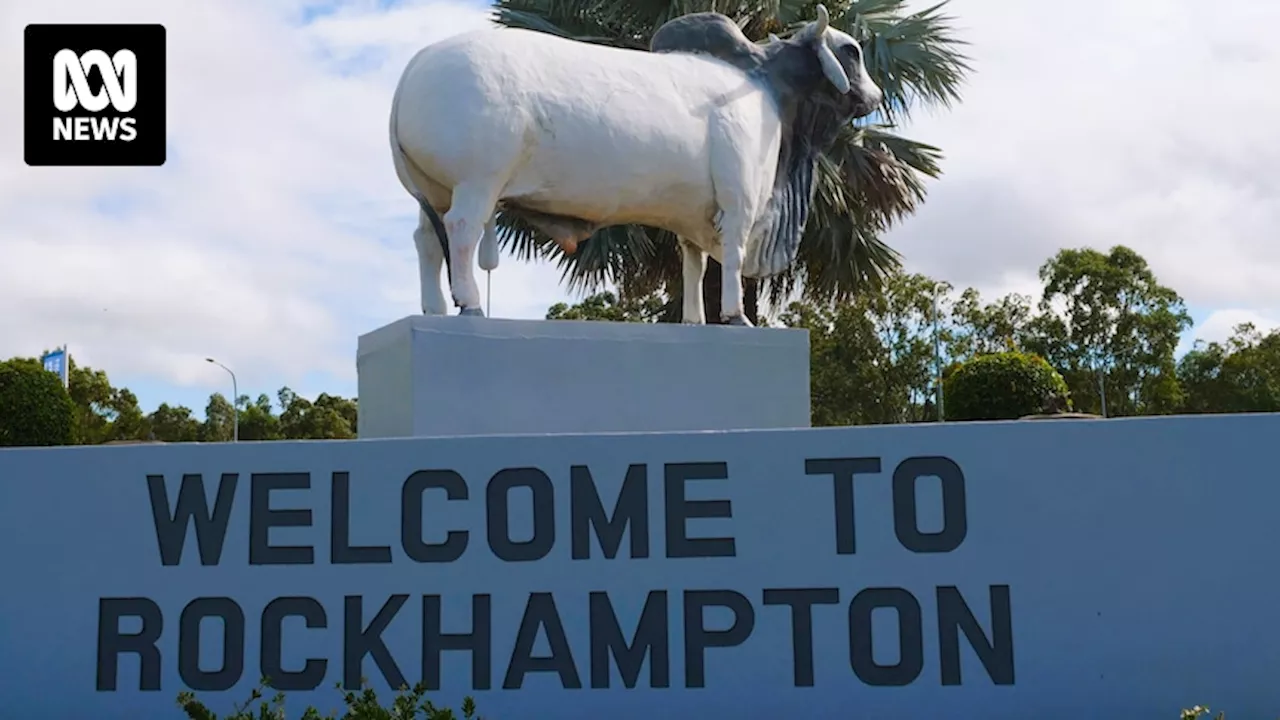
(734, 227)
(694, 267)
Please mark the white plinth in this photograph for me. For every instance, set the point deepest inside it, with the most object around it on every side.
(432, 375)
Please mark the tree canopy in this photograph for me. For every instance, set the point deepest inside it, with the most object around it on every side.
(97, 412)
(1102, 321)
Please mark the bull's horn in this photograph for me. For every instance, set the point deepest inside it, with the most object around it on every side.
(823, 20)
(818, 27)
(831, 67)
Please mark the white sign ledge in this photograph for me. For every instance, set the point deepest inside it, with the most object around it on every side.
(429, 375)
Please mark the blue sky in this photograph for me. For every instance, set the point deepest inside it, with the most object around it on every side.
(276, 234)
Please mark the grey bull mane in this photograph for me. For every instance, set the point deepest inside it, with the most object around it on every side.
(812, 114)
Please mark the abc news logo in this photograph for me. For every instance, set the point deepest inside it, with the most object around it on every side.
(107, 105)
(71, 90)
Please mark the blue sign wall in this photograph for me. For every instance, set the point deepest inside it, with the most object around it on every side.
(1111, 569)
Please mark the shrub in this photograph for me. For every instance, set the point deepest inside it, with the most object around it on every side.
(408, 704)
(1003, 386)
(34, 407)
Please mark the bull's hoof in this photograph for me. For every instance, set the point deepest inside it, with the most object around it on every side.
(471, 312)
(739, 320)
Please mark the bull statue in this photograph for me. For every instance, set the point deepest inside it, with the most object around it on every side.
(707, 135)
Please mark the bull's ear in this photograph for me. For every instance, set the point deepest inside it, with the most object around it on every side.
(832, 68)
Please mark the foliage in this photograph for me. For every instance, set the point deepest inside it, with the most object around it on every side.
(1241, 375)
(870, 180)
(1003, 386)
(609, 307)
(1111, 329)
(408, 704)
(872, 360)
(984, 329)
(35, 410)
(101, 412)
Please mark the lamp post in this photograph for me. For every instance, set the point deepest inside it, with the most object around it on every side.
(937, 354)
(235, 401)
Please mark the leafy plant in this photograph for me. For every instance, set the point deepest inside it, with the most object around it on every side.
(35, 410)
(408, 704)
(1004, 386)
(1195, 712)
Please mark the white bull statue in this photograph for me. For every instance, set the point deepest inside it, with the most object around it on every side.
(707, 135)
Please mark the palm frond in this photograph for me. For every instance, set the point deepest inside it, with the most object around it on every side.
(884, 173)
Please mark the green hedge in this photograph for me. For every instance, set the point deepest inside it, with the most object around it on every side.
(34, 407)
(409, 704)
(1004, 386)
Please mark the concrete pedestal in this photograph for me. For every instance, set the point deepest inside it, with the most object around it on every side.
(432, 376)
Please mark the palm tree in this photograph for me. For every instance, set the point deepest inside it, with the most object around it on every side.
(869, 180)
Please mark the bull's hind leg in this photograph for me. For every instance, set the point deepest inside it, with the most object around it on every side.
(737, 175)
(472, 207)
(430, 259)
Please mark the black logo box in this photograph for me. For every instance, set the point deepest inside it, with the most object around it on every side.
(41, 43)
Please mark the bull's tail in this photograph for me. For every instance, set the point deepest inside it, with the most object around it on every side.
(489, 245)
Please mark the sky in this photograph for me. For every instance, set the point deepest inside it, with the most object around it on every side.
(276, 233)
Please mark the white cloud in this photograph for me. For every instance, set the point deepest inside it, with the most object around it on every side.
(1138, 122)
(1220, 325)
(277, 232)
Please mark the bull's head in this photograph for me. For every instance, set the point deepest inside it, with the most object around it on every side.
(841, 59)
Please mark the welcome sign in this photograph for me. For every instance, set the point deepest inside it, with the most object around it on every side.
(896, 572)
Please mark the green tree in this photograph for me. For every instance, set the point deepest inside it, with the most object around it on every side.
(1240, 375)
(607, 306)
(1003, 386)
(872, 359)
(259, 422)
(128, 421)
(35, 410)
(994, 327)
(330, 417)
(219, 420)
(1106, 322)
(102, 411)
(169, 423)
(871, 179)
(844, 351)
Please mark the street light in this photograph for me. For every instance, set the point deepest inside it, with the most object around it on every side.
(235, 401)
